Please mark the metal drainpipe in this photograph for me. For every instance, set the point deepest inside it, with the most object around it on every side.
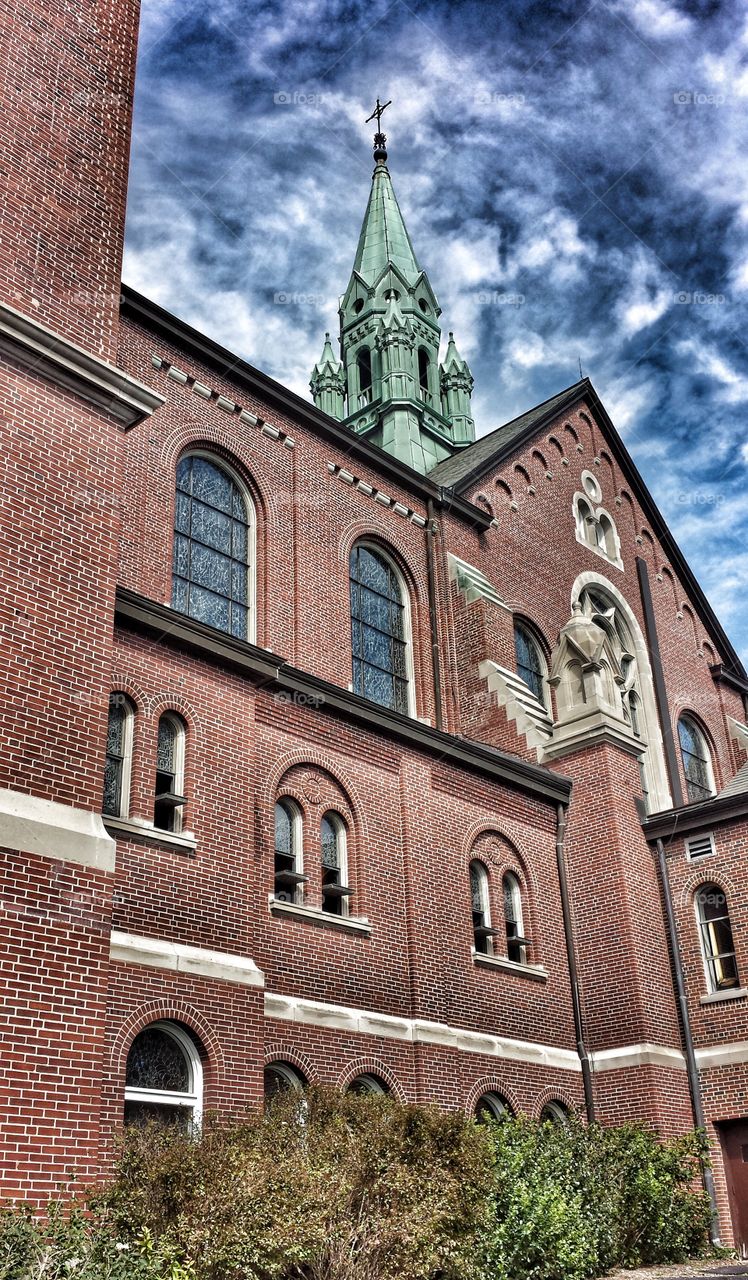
(431, 581)
(694, 1084)
(589, 1097)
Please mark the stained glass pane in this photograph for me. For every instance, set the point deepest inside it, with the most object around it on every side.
(157, 1061)
(211, 547)
(378, 646)
(112, 785)
(529, 663)
(283, 830)
(329, 837)
(378, 686)
(115, 729)
(138, 1114)
(165, 751)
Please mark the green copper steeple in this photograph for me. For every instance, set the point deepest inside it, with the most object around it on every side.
(389, 386)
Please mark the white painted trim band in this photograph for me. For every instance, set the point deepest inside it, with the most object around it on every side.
(192, 961)
(638, 1055)
(722, 1055)
(47, 353)
(341, 1018)
(53, 830)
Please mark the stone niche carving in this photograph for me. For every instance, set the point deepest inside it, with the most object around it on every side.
(588, 672)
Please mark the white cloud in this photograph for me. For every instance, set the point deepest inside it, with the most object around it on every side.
(656, 18)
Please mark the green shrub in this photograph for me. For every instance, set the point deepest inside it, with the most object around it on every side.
(331, 1187)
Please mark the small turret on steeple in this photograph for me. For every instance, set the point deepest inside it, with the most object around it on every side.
(328, 382)
(456, 388)
(390, 388)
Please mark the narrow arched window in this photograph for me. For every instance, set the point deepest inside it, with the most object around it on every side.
(424, 365)
(482, 931)
(554, 1113)
(212, 547)
(164, 1077)
(717, 944)
(516, 943)
(697, 761)
(118, 762)
(491, 1106)
(363, 364)
(531, 665)
(335, 890)
(280, 1077)
(289, 868)
(379, 644)
(168, 798)
(584, 520)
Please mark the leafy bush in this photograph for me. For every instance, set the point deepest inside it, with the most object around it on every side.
(331, 1187)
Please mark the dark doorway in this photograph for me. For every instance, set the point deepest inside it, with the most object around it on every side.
(734, 1138)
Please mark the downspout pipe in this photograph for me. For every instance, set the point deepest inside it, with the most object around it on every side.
(589, 1097)
(694, 1084)
(436, 665)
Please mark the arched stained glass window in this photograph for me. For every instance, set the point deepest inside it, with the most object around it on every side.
(368, 1086)
(163, 1080)
(717, 942)
(211, 547)
(482, 931)
(380, 666)
(289, 874)
(516, 943)
(168, 798)
(280, 1077)
(530, 662)
(491, 1106)
(697, 763)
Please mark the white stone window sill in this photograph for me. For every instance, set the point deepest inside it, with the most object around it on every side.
(315, 915)
(139, 829)
(717, 997)
(534, 971)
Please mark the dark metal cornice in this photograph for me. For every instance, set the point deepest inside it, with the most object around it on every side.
(181, 335)
(694, 817)
(178, 631)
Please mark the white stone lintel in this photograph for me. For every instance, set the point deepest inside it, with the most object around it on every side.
(41, 350)
(53, 830)
(638, 1055)
(198, 962)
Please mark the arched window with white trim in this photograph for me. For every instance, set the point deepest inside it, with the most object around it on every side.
(379, 630)
(280, 1078)
(369, 1086)
(492, 1106)
(516, 942)
(289, 878)
(717, 944)
(481, 909)
(118, 762)
(555, 1112)
(335, 889)
(213, 546)
(164, 1077)
(169, 799)
(697, 760)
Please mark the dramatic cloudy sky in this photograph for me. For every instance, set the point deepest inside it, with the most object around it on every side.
(572, 176)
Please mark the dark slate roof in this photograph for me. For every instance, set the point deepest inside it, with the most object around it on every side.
(457, 469)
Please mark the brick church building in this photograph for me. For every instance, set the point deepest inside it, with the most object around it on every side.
(336, 745)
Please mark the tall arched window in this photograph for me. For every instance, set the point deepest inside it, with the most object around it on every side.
(531, 665)
(516, 943)
(378, 623)
(164, 1077)
(482, 931)
(717, 944)
(118, 763)
(697, 761)
(424, 365)
(289, 864)
(212, 536)
(335, 891)
(168, 797)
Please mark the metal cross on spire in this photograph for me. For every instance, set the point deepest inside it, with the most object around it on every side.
(380, 139)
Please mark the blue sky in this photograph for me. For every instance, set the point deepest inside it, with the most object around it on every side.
(572, 177)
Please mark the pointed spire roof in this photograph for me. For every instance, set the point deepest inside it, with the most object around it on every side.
(384, 238)
(453, 360)
(328, 359)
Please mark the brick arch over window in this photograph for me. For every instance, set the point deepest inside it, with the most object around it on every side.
(127, 684)
(179, 1011)
(568, 1100)
(282, 1051)
(492, 1084)
(375, 1067)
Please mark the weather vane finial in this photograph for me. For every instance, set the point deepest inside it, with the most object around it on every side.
(380, 139)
